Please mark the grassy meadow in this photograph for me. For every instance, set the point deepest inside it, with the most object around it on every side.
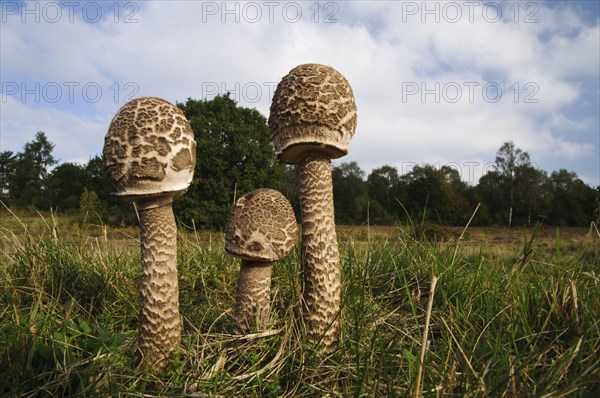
(443, 312)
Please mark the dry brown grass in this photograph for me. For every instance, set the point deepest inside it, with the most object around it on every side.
(515, 314)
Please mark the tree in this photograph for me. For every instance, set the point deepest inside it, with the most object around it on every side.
(424, 191)
(596, 216)
(438, 192)
(532, 198)
(112, 210)
(95, 180)
(7, 160)
(287, 184)
(508, 159)
(456, 208)
(64, 186)
(31, 168)
(350, 193)
(491, 191)
(234, 156)
(385, 189)
(40, 152)
(89, 206)
(573, 202)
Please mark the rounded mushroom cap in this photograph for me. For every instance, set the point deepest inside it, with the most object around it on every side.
(262, 226)
(149, 150)
(313, 111)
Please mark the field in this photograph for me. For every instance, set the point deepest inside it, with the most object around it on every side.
(509, 313)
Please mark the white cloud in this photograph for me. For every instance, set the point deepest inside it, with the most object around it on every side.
(181, 49)
(75, 138)
(559, 147)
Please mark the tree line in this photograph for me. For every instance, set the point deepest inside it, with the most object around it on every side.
(234, 156)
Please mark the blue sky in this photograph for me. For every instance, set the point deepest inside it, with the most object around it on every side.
(441, 82)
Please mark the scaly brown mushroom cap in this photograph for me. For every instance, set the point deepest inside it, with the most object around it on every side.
(313, 110)
(149, 150)
(262, 226)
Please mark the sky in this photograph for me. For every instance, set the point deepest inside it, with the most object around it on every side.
(438, 82)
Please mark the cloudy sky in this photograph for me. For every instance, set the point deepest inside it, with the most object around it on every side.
(441, 82)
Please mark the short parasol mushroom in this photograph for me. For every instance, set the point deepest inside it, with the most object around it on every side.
(149, 156)
(312, 119)
(261, 229)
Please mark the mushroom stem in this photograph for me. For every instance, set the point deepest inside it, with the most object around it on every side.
(160, 331)
(252, 296)
(320, 254)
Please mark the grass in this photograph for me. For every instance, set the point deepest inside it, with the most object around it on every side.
(513, 313)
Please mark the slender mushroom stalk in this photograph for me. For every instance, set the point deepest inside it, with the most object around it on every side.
(159, 315)
(149, 156)
(319, 252)
(253, 296)
(261, 229)
(312, 119)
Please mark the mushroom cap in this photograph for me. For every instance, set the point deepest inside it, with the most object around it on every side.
(313, 111)
(149, 150)
(262, 226)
